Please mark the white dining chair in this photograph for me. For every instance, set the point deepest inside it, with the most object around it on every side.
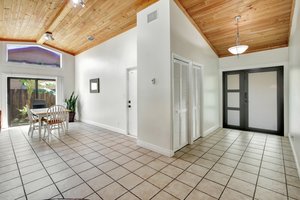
(33, 122)
(55, 119)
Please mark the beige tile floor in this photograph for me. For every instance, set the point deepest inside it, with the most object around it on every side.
(95, 163)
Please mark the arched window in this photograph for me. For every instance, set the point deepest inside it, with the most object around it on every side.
(33, 54)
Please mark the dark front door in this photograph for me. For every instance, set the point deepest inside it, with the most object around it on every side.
(253, 100)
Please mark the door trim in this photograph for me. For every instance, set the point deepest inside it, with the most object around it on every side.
(127, 99)
(244, 115)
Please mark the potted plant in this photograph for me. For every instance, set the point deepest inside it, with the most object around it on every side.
(71, 105)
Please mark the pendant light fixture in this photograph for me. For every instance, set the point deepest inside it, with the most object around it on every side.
(238, 49)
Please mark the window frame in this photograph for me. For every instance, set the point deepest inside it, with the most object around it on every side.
(33, 65)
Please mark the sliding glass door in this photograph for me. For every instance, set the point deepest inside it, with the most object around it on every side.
(34, 93)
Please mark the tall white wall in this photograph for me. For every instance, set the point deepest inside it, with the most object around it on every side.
(65, 74)
(269, 58)
(294, 83)
(188, 43)
(108, 62)
(154, 61)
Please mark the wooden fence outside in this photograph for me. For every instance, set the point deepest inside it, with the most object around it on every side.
(18, 99)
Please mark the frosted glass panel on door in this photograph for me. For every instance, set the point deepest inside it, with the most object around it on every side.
(233, 82)
(233, 99)
(233, 117)
(262, 100)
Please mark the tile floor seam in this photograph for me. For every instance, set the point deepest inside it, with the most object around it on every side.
(117, 167)
(190, 165)
(256, 183)
(68, 177)
(284, 170)
(43, 167)
(97, 143)
(236, 168)
(106, 162)
(18, 167)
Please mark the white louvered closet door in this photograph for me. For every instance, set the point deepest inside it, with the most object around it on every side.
(180, 103)
(196, 94)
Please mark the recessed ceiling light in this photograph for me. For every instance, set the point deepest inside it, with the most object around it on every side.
(90, 38)
(48, 36)
(78, 2)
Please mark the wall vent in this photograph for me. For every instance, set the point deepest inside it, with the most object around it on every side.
(152, 16)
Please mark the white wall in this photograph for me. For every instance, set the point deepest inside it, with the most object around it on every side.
(294, 83)
(154, 61)
(269, 58)
(188, 43)
(108, 62)
(65, 75)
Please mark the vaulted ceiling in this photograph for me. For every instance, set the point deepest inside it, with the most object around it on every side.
(28, 20)
(265, 24)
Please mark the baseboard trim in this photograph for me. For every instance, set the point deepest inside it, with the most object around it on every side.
(111, 128)
(152, 147)
(210, 130)
(295, 156)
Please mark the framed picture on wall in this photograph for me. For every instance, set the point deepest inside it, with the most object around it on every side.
(95, 85)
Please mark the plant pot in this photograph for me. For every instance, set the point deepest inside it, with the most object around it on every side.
(71, 116)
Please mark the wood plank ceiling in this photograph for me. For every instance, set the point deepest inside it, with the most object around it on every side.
(28, 20)
(265, 24)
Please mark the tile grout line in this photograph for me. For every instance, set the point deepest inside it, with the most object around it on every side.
(105, 136)
(258, 174)
(284, 170)
(72, 170)
(43, 167)
(238, 162)
(211, 168)
(143, 166)
(17, 166)
(191, 164)
(96, 165)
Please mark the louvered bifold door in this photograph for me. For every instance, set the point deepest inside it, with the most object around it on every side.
(196, 95)
(180, 104)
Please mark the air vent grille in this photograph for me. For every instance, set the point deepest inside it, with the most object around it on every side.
(152, 16)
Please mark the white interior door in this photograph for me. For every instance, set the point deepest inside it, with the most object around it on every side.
(132, 102)
(196, 95)
(180, 103)
(262, 100)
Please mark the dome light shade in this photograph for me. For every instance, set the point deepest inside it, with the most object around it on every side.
(239, 49)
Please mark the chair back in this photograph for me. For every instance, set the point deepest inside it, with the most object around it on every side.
(30, 115)
(57, 114)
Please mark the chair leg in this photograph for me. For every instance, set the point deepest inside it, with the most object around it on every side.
(49, 130)
(30, 127)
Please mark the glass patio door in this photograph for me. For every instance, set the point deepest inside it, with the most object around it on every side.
(34, 93)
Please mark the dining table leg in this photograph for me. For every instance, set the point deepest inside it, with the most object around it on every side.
(40, 126)
(67, 122)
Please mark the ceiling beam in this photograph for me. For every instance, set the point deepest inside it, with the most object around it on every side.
(15, 40)
(57, 19)
(195, 25)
